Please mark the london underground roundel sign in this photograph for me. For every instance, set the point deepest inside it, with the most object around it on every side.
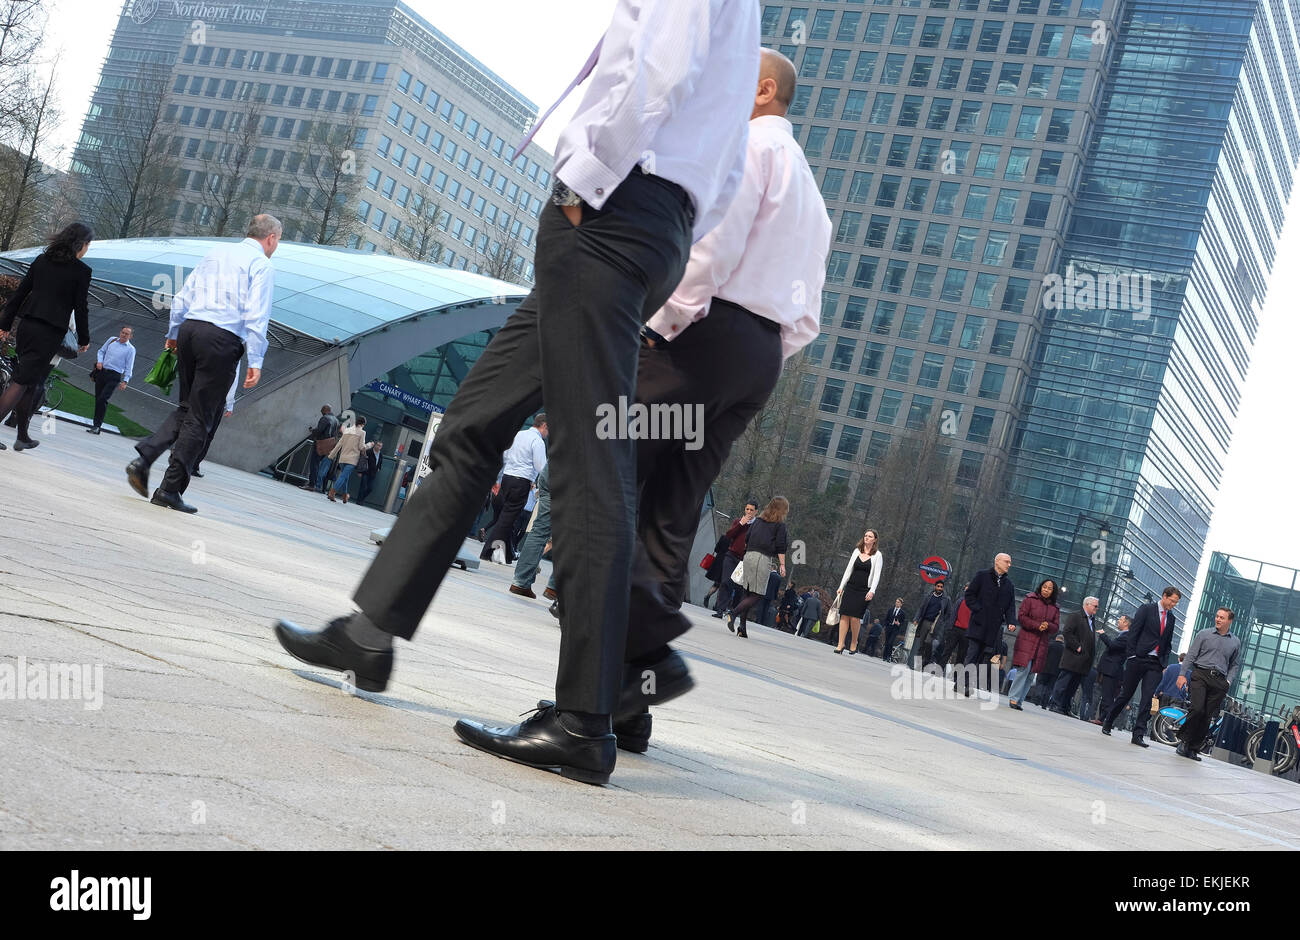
(934, 569)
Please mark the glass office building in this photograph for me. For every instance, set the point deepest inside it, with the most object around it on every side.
(983, 162)
(430, 127)
(1266, 601)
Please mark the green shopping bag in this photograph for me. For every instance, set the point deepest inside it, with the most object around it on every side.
(163, 373)
(817, 627)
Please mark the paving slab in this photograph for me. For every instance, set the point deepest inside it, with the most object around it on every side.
(209, 737)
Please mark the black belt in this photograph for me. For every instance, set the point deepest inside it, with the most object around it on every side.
(672, 187)
(1210, 670)
(762, 321)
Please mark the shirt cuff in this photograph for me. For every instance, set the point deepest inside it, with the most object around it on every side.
(589, 178)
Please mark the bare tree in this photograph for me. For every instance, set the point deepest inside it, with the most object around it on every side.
(18, 194)
(330, 178)
(502, 259)
(422, 236)
(132, 179)
(22, 29)
(227, 170)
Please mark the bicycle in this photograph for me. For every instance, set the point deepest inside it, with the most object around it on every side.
(1172, 717)
(1287, 749)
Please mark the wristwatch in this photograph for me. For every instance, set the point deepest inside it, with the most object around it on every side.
(649, 334)
(562, 195)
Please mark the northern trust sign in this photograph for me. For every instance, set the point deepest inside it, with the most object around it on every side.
(145, 11)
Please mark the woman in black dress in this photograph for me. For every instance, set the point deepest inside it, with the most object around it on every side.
(765, 548)
(56, 284)
(858, 586)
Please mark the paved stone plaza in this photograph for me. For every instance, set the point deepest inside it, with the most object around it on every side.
(209, 736)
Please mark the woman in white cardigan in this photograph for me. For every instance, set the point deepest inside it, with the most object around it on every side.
(858, 586)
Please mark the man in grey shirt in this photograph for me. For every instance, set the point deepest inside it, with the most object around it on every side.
(1211, 663)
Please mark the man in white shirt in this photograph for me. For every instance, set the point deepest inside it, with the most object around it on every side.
(750, 298)
(223, 310)
(520, 466)
(650, 163)
(113, 368)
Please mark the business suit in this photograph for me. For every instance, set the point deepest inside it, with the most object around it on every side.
(1110, 668)
(895, 622)
(992, 602)
(1080, 638)
(1148, 649)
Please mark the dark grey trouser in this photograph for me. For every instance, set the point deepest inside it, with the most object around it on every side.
(572, 343)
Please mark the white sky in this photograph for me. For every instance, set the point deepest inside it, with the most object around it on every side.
(1257, 514)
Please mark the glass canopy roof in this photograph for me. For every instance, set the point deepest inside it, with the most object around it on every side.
(332, 294)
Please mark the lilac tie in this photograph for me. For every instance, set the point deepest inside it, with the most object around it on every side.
(586, 70)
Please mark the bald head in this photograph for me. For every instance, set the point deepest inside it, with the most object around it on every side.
(1002, 563)
(775, 84)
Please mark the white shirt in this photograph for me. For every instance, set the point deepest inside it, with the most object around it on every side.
(230, 395)
(769, 252)
(231, 288)
(526, 456)
(672, 90)
(877, 566)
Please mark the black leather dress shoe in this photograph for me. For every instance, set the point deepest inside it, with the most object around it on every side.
(1105, 729)
(172, 501)
(668, 677)
(1137, 739)
(332, 648)
(633, 733)
(555, 609)
(196, 475)
(20, 445)
(137, 474)
(542, 741)
(1185, 751)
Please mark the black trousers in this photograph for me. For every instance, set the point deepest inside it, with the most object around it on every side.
(1206, 691)
(208, 358)
(211, 436)
(1067, 683)
(727, 589)
(954, 641)
(977, 657)
(721, 371)
(1138, 671)
(514, 494)
(891, 636)
(367, 484)
(106, 383)
(1109, 689)
(573, 343)
(1087, 698)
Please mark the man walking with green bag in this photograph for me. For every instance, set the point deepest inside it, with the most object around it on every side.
(223, 310)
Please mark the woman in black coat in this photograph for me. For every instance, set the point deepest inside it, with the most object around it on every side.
(765, 548)
(56, 284)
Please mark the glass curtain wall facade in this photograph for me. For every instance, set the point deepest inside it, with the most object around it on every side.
(946, 139)
(984, 161)
(1266, 601)
(1130, 405)
(245, 98)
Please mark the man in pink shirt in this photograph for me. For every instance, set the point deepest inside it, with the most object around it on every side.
(750, 298)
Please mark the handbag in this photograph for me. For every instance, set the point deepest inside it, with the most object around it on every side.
(325, 445)
(707, 561)
(163, 373)
(738, 574)
(833, 615)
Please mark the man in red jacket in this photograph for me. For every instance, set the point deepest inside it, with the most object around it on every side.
(736, 535)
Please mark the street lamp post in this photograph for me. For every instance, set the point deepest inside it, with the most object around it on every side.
(1103, 528)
